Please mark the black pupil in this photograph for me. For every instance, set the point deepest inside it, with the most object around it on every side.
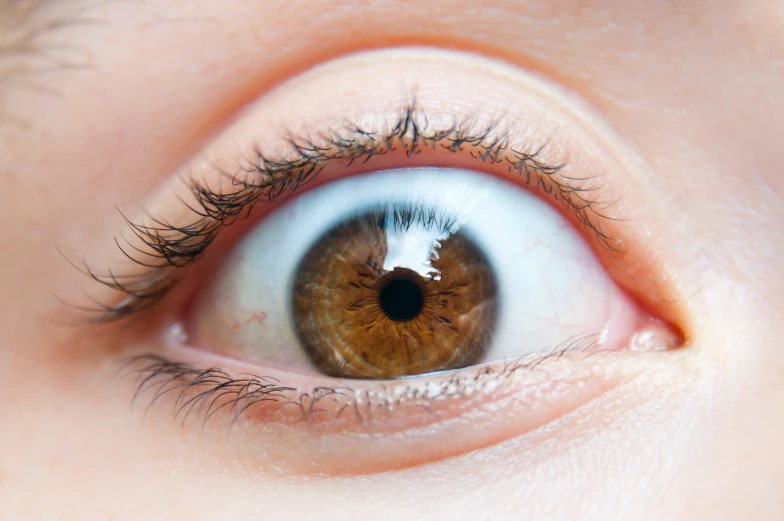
(401, 299)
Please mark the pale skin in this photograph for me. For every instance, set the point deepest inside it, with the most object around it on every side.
(682, 102)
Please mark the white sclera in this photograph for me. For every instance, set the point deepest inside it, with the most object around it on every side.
(552, 288)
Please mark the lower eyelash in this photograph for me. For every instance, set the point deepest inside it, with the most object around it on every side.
(166, 247)
(206, 393)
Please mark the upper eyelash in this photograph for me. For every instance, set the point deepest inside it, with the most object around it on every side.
(206, 392)
(170, 247)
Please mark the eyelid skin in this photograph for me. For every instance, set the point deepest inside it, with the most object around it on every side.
(576, 156)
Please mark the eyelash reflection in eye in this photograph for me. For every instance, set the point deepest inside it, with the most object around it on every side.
(166, 247)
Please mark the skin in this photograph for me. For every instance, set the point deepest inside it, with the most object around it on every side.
(684, 99)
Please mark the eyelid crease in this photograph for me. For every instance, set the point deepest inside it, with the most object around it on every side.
(165, 247)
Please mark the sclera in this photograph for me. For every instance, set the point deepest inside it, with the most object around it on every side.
(552, 288)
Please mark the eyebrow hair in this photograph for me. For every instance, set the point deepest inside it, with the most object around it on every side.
(17, 15)
(18, 35)
(5, 5)
(26, 50)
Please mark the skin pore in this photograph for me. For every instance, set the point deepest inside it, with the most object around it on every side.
(677, 105)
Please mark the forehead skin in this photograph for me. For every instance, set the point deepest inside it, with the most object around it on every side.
(693, 87)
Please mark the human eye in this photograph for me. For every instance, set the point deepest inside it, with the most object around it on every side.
(359, 282)
(410, 271)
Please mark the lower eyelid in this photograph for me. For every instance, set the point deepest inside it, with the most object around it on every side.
(374, 426)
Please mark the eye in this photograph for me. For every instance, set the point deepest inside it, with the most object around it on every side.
(406, 272)
(353, 278)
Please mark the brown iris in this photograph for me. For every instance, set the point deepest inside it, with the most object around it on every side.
(389, 294)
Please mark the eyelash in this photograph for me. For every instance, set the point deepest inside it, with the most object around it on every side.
(172, 247)
(205, 392)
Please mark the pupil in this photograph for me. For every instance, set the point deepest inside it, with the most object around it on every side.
(401, 299)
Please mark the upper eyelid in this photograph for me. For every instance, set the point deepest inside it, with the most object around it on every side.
(165, 247)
